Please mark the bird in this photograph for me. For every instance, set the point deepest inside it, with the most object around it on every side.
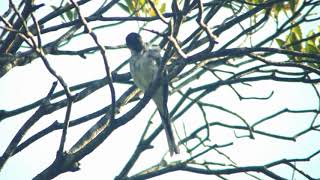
(144, 64)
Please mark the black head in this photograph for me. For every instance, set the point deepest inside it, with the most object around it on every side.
(134, 42)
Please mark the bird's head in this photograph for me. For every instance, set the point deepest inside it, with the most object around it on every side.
(134, 42)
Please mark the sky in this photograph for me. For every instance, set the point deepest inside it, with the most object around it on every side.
(23, 85)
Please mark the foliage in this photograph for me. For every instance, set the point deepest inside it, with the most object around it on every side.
(142, 7)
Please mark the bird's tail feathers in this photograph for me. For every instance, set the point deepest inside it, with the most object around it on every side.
(165, 117)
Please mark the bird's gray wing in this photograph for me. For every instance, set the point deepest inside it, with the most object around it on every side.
(154, 52)
(165, 88)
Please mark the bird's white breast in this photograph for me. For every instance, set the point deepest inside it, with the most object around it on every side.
(143, 68)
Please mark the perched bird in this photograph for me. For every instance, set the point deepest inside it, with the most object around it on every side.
(144, 63)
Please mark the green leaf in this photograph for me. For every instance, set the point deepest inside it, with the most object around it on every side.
(310, 49)
(130, 5)
(297, 31)
(313, 40)
(55, 9)
(128, 2)
(69, 15)
(278, 7)
(310, 33)
(75, 14)
(298, 58)
(124, 7)
(142, 2)
(163, 8)
(292, 5)
(292, 39)
(280, 42)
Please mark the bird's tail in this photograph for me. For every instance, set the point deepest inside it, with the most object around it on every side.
(166, 123)
(173, 148)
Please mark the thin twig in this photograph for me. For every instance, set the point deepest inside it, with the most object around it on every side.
(103, 54)
(39, 50)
